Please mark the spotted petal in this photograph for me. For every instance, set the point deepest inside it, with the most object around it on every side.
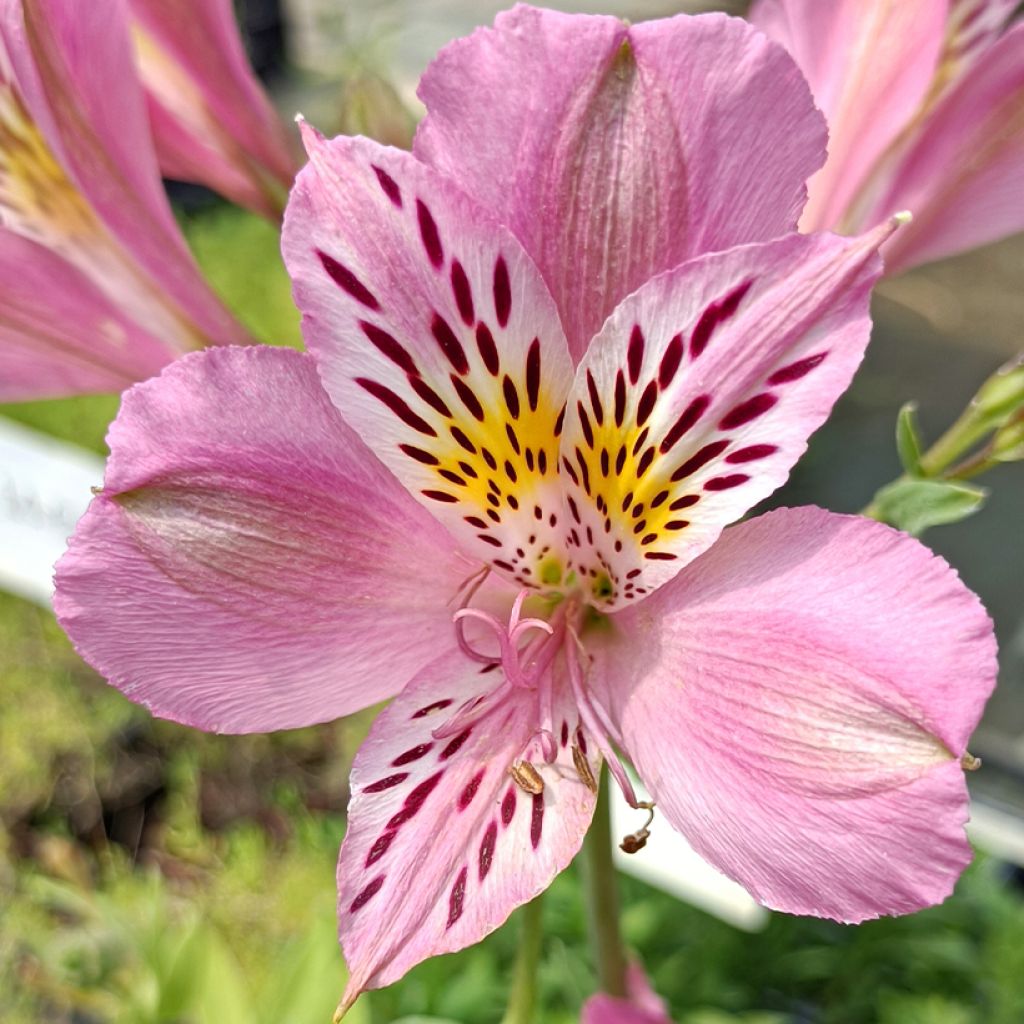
(442, 844)
(698, 397)
(797, 701)
(248, 565)
(435, 336)
(615, 152)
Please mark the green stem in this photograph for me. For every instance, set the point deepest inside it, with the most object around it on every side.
(602, 888)
(523, 996)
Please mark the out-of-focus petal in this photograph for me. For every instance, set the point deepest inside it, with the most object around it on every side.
(71, 64)
(436, 337)
(870, 65)
(797, 701)
(642, 1005)
(442, 844)
(249, 565)
(962, 174)
(212, 121)
(615, 152)
(59, 334)
(699, 395)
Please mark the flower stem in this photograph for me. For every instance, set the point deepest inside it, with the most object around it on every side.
(601, 883)
(523, 995)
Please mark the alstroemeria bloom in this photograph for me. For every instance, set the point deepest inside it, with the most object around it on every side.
(519, 535)
(641, 1005)
(212, 121)
(97, 286)
(925, 105)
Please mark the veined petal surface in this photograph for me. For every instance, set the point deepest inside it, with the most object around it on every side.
(442, 843)
(437, 339)
(699, 395)
(249, 564)
(797, 701)
(615, 152)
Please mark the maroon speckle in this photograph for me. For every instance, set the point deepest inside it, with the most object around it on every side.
(414, 801)
(702, 458)
(659, 556)
(588, 431)
(508, 806)
(488, 350)
(438, 705)
(397, 405)
(440, 496)
(486, 857)
(687, 420)
(645, 462)
(469, 399)
(645, 406)
(380, 847)
(470, 790)
(537, 819)
(686, 501)
(463, 293)
(367, 894)
(508, 389)
(413, 754)
(677, 524)
(533, 374)
(595, 399)
(670, 361)
(581, 741)
(456, 743)
(430, 396)
(450, 345)
(347, 281)
(420, 455)
(464, 441)
(428, 232)
(724, 483)
(565, 733)
(635, 353)
(389, 782)
(452, 477)
(748, 410)
(513, 440)
(751, 454)
(560, 422)
(387, 183)
(796, 370)
(620, 398)
(495, 543)
(476, 521)
(502, 292)
(389, 347)
(717, 313)
(457, 897)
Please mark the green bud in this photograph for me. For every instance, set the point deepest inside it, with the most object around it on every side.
(908, 440)
(916, 505)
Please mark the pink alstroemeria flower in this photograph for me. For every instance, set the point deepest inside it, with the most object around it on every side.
(519, 535)
(641, 1005)
(97, 286)
(925, 105)
(212, 121)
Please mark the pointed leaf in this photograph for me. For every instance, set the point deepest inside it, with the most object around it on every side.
(908, 439)
(917, 505)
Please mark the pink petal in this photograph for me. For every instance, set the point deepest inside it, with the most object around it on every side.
(962, 174)
(870, 65)
(212, 121)
(60, 335)
(615, 152)
(435, 335)
(249, 563)
(73, 68)
(698, 396)
(641, 1007)
(797, 701)
(442, 844)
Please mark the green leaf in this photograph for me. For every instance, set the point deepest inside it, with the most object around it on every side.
(908, 439)
(916, 505)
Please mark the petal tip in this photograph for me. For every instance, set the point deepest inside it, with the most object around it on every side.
(312, 139)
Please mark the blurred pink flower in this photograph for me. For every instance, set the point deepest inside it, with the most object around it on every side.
(925, 105)
(212, 122)
(517, 532)
(641, 1005)
(97, 286)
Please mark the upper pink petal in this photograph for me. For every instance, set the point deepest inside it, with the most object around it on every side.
(437, 339)
(962, 172)
(249, 564)
(797, 701)
(615, 152)
(699, 395)
(870, 65)
(59, 334)
(73, 67)
(442, 844)
(214, 123)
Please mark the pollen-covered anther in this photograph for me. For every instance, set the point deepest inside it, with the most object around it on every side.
(526, 777)
(969, 762)
(636, 841)
(583, 769)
